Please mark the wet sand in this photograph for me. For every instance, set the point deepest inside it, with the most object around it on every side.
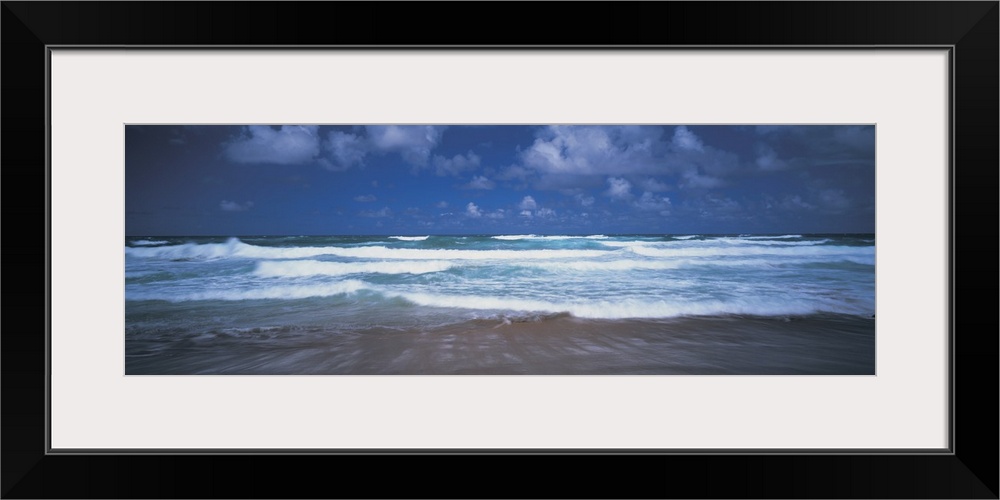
(554, 345)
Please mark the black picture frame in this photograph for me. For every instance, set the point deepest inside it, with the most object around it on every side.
(970, 29)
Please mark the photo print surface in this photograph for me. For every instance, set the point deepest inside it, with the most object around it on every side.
(499, 249)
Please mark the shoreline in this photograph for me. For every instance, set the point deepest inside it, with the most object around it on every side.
(818, 344)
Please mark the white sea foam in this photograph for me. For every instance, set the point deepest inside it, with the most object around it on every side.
(515, 237)
(688, 237)
(410, 238)
(630, 277)
(714, 242)
(293, 268)
(740, 250)
(754, 241)
(634, 308)
(784, 236)
(630, 243)
(236, 248)
(560, 237)
(254, 293)
(141, 243)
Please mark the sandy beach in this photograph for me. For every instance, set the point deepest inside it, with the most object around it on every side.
(548, 345)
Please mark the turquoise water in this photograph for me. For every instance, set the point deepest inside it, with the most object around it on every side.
(598, 276)
(304, 289)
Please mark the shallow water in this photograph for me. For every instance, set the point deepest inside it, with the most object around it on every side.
(516, 304)
(818, 344)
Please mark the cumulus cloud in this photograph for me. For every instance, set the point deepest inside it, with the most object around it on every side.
(619, 188)
(652, 158)
(545, 212)
(456, 165)
(285, 145)
(767, 158)
(526, 213)
(496, 214)
(472, 210)
(698, 165)
(365, 198)
(527, 203)
(591, 150)
(232, 206)
(346, 150)
(685, 140)
(584, 200)
(413, 142)
(480, 182)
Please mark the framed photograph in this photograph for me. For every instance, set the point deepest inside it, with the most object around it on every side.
(704, 252)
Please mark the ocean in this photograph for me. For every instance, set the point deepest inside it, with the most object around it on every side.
(789, 304)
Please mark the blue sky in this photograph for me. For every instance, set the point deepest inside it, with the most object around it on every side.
(498, 179)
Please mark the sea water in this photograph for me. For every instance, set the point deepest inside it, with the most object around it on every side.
(352, 304)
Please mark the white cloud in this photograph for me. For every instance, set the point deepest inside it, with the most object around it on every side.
(472, 210)
(568, 158)
(526, 213)
(650, 202)
(384, 212)
(287, 145)
(367, 198)
(497, 214)
(441, 204)
(545, 212)
(528, 203)
(685, 140)
(346, 150)
(413, 142)
(767, 158)
(480, 182)
(619, 188)
(592, 150)
(584, 199)
(232, 206)
(456, 164)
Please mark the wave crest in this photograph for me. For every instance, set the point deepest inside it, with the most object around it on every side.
(296, 268)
